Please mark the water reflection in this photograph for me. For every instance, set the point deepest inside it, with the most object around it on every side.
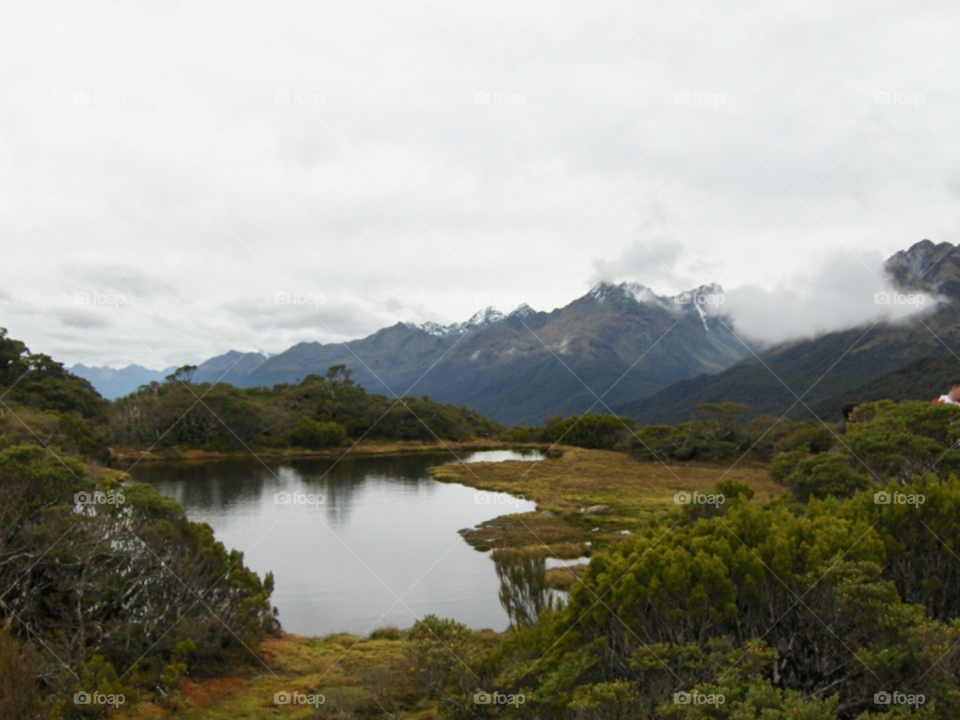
(383, 549)
(523, 589)
(502, 456)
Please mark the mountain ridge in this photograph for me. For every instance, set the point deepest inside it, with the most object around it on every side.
(525, 365)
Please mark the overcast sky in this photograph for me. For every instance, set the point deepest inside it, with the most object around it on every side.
(167, 168)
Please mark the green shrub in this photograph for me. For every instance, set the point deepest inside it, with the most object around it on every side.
(316, 435)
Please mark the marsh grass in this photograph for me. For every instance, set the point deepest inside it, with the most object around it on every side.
(563, 487)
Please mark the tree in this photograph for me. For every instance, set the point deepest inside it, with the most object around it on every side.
(182, 374)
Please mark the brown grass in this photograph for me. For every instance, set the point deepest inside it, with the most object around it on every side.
(337, 666)
(364, 448)
(635, 492)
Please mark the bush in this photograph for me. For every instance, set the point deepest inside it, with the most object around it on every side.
(590, 430)
(817, 476)
(316, 435)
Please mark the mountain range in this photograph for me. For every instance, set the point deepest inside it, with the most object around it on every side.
(625, 349)
(613, 343)
(813, 378)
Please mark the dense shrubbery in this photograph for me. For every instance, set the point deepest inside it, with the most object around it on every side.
(589, 430)
(793, 609)
(120, 596)
(716, 434)
(35, 380)
(123, 595)
(319, 412)
(41, 402)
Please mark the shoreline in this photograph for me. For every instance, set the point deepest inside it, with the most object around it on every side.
(371, 448)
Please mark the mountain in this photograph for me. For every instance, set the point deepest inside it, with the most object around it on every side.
(923, 379)
(524, 366)
(833, 368)
(232, 367)
(113, 383)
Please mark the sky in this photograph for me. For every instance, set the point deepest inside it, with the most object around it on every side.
(178, 179)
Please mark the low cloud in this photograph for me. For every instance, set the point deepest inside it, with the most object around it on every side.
(649, 261)
(846, 292)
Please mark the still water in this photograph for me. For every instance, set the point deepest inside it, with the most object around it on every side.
(354, 545)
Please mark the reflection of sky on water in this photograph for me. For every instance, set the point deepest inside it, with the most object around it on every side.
(384, 525)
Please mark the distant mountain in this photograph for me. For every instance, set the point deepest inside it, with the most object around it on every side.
(113, 383)
(231, 367)
(512, 367)
(834, 368)
(923, 379)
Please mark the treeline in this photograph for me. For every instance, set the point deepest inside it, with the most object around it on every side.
(717, 433)
(40, 401)
(319, 412)
(808, 607)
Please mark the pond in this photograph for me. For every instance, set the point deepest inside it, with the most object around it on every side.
(353, 545)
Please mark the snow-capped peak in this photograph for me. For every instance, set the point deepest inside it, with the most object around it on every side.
(603, 291)
(434, 328)
(487, 316)
(523, 311)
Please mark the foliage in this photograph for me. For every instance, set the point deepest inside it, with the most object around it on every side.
(36, 380)
(312, 434)
(787, 610)
(817, 476)
(319, 412)
(590, 430)
(18, 682)
(115, 588)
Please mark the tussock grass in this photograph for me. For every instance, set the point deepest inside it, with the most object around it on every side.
(636, 492)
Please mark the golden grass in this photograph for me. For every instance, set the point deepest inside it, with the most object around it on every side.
(635, 492)
(365, 448)
(338, 666)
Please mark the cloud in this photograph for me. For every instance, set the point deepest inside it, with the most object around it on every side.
(646, 262)
(844, 292)
(343, 149)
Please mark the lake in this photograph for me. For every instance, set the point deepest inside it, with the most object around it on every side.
(353, 545)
